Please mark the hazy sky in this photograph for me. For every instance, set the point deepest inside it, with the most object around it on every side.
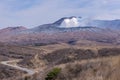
(31, 13)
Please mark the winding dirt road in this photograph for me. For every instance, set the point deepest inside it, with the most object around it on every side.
(7, 63)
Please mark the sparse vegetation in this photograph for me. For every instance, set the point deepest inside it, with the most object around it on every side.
(68, 55)
(96, 69)
(95, 64)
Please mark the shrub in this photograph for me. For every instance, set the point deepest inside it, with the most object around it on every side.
(53, 74)
(26, 78)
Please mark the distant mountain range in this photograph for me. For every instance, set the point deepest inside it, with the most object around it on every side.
(64, 30)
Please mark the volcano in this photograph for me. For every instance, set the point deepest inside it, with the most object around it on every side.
(66, 29)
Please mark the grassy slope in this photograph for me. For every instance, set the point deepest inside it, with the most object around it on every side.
(95, 69)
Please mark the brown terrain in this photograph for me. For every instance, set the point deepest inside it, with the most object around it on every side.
(22, 36)
(81, 60)
(52, 53)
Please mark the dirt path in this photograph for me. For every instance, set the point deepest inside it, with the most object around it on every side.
(7, 63)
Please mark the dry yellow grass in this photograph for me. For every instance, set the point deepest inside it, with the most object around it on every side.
(107, 68)
(82, 44)
(101, 68)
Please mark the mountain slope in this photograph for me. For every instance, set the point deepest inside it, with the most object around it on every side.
(64, 30)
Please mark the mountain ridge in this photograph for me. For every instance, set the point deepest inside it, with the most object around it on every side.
(105, 31)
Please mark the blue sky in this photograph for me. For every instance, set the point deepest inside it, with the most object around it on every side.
(31, 13)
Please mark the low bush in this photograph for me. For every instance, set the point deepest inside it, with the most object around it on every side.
(53, 74)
